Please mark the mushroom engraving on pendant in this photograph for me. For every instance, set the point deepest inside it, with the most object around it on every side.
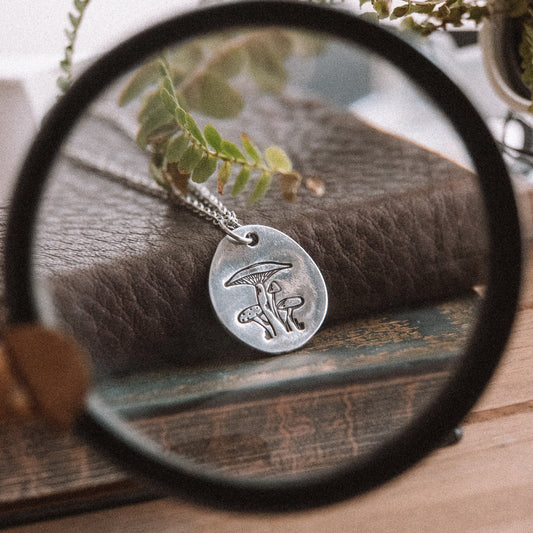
(274, 315)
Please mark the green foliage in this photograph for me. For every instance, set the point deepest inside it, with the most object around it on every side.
(146, 75)
(65, 80)
(213, 137)
(261, 187)
(267, 53)
(204, 169)
(202, 71)
(182, 151)
(278, 159)
(426, 16)
(213, 96)
(199, 76)
(241, 180)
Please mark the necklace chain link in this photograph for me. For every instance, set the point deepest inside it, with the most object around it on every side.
(204, 203)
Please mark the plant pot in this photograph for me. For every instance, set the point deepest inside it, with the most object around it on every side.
(499, 39)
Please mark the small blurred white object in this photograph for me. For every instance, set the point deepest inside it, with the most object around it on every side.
(31, 45)
(18, 115)
(16, 126)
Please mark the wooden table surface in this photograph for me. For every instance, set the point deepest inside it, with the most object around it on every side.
(484, 483)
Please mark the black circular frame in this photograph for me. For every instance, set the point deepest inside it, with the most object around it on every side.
(102, 428)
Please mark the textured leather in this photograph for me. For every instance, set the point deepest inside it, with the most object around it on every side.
(127, 269)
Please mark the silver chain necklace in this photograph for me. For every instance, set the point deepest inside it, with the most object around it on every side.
(264, 287)
(201, 201)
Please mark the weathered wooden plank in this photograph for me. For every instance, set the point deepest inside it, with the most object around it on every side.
(357, 383)
(512, 383)
(483, 484)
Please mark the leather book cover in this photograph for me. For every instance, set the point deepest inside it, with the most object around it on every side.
(127, 268)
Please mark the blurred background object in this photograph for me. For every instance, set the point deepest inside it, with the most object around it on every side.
(32, 43)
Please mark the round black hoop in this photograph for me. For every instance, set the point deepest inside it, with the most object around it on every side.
(484, 349)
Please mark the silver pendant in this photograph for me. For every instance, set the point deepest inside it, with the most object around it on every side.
(269, 294)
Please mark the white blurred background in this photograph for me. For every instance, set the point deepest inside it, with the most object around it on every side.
(32, 41)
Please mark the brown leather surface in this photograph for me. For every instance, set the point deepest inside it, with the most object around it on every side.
(128, 270)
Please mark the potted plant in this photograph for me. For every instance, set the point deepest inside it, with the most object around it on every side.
(506, 40)
(506, 36)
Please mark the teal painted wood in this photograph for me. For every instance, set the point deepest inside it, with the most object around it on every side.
(408, 342)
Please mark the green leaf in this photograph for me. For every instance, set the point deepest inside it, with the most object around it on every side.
(152, 117)
(306, 44)
(370, 16)
(456, 13)
(261, 188)
(193, 129)
(277, 159)
(477, 13)
(399, 12)
(176, 148)
(223, 175)
(526, 53)
(152, 105)
(213, 137)
(422, 8)
(181, 117)
(63, 83)
(168, 101)
(164, 69)
(205, 168)
(241, 180)
(382, 7)
(168, 86)
(71, 36)
(187, 56)
(74, 20)
(190, 158)
(279, 42)
(409, 23)
(68, 54)
(266, 67)
(230, 150)
(444, 12)
(80, 4)
(229, 62)
(250, 148)
(214, 97)
(161, 135)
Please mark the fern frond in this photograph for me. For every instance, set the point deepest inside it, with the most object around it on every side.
(200, 155)
(65, 80)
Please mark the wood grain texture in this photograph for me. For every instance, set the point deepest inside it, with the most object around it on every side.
(356, 385)
(483, 484)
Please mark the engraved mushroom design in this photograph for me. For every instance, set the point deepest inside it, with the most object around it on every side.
(254, 313)
(290, 305)
(276, 318)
